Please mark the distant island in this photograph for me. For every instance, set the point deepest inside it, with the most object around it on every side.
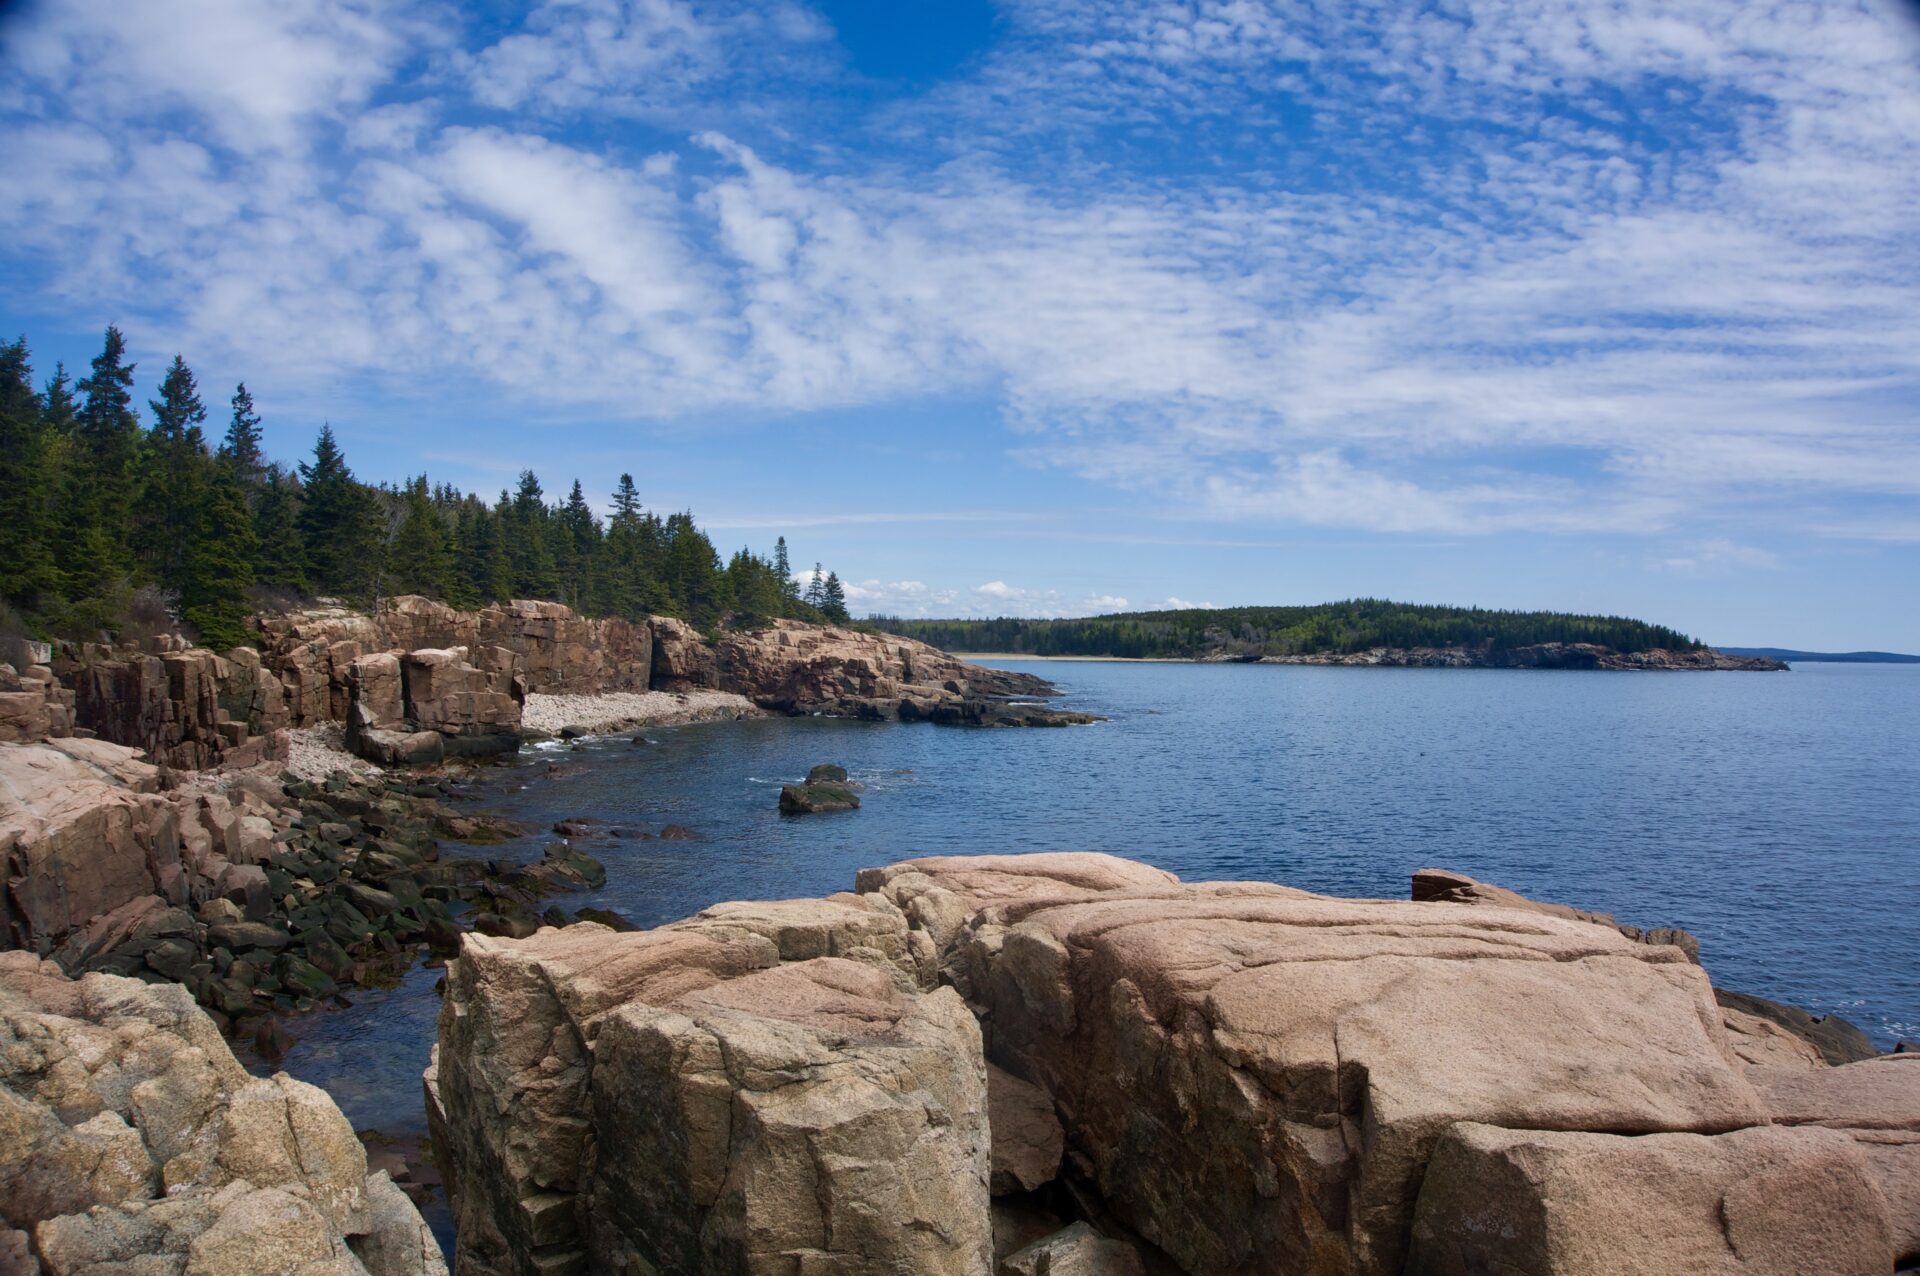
(1358, 631)
(1825, 657)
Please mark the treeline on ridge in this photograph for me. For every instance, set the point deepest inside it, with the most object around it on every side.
(1357, 624)
(103, 520)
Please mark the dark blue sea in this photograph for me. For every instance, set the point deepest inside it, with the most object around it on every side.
(1776, 816)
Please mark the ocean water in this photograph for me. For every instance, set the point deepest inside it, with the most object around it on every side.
(1776, 816)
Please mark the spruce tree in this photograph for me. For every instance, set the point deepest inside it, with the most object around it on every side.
(495, 563)
(783, 572)
(59, 412)
(579, 549)
(620, 587)
(695, 584)
(816, 590)
(833, 599)
(279, 555)
(219, 563)
(100, 482)
(241, 448)
(626, 503)
(172, 469)
(106, 422)
(418, 559)
(336, 523)
(528, 550)
(99, 485)
(29, 578)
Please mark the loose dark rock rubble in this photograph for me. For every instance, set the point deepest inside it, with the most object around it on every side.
(350, 893)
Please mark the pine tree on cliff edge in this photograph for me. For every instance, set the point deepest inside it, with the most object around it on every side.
(173, 472)
(28, 575)
(336, 523)
(833, 599)
(241, 447)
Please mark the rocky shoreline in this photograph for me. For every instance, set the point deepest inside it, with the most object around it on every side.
(1076, 1063)
(568, 717)
(132, 1141)
(264, 895)
(256, 826)
(1552, 655)
(990, 1065)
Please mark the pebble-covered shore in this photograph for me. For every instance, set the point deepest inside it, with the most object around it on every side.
(615, 711)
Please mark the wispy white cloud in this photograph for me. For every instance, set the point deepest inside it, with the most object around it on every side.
(864, 518)
(1500, 265)
(1719, 555)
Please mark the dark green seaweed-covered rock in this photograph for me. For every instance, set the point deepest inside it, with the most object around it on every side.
(806, 799)
(827, 773)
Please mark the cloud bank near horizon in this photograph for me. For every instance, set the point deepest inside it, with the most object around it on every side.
(1462, 267)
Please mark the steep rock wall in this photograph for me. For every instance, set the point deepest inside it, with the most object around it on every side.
(559, 652)
(765, 1087)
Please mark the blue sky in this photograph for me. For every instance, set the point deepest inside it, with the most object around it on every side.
(1047, 307)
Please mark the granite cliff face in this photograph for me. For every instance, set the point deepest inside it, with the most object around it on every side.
(788, 667)
(423, 706)
(132, 1141)
(431, 682)
(764, 1087)
(791, 667)
(1244, 1078)
(557, 651)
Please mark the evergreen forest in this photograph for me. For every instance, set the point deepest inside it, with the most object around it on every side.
(1248, 633)
(109, 523)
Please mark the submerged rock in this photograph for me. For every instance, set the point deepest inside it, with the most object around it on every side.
(1837, 1040)
(815, 796)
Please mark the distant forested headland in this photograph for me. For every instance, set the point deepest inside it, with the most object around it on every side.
(104, 520)
(1358, 624)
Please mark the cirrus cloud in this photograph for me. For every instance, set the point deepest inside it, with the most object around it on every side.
(1465, 267)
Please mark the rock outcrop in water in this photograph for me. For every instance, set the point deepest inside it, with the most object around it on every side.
(1249, 1078)
(131, 1141)
(795, 667)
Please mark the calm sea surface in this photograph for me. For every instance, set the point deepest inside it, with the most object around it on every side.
(1776, 816)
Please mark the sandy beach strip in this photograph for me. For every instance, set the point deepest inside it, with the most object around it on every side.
(615, 711)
